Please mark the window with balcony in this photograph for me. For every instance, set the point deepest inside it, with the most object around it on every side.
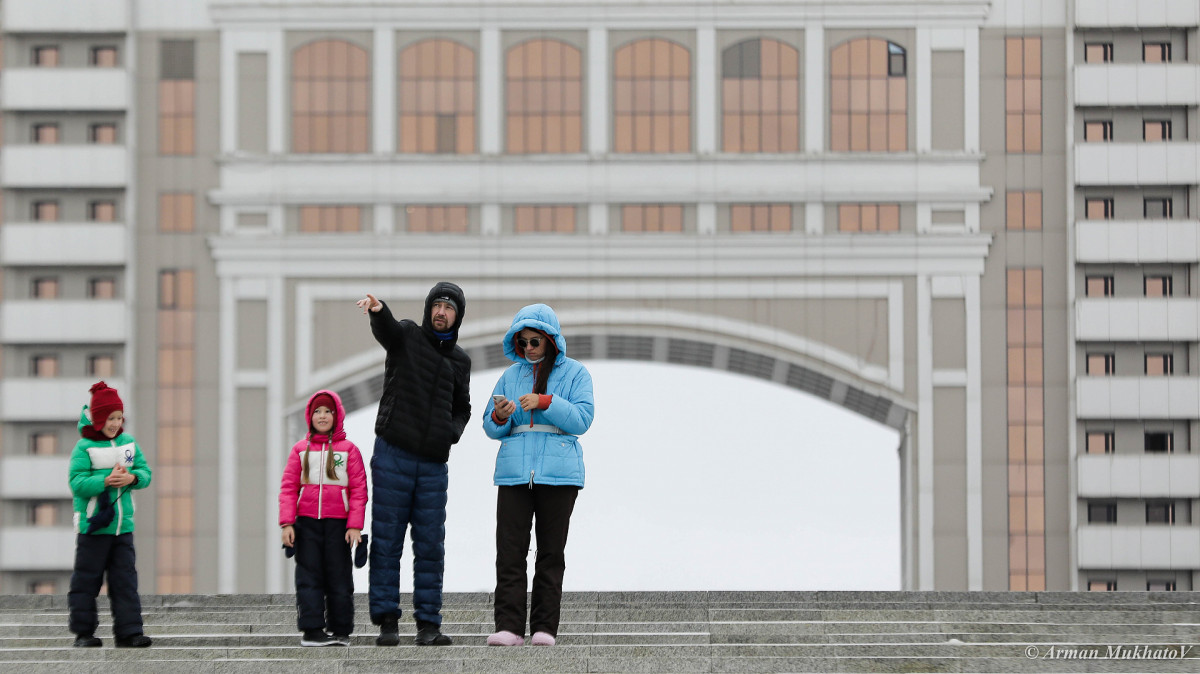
(760, 97)
(330, 219)
(868, 217)
(45, 56)
(1099, 286)
(43, 444)
(437, 219)
(103, 57)
(1099, 131)
(43, 514)
(1159, 364)
(102, 288)
(760, 217)
(1024, 210)
(1156, 52)
(438, 97)
(868, 93)
(1154, 130)
(41, 366)
(652, 97)
(651, 217)
(331, 97)
(1102, 585)
(45, 211)
(101, 365)
(45, 134)
(1102, 512)
(544, 219)
(102, 134)
(1101, 442)
(544, 97)
(1161, 586)
(1099, 208)
(1160, 512)
(1157, 286)
(102, 211)
(44, 288)
(1101, 364)
(1159, 442)
(1156, 208)
(1098, 52)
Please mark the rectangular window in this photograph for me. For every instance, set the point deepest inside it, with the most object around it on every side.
(544, 219)
(1098, 52)
(102, 288)
(1098, 131)
(176, 289)
(1101, 442)
(45, 134)
(1160, 512)
(1158, 442)
(1099, 286)
(1101, 363)
(447, 133)
(1102, 512)
(651, 217)
(1024, 210)
(102, 211)
(44, 288)
(437, 219)
(330, 219)
(1156, 52)
(1102, 586)
(45, 211)
(1159, 364)
(43, 444)
(103, 57)
(45, 56)
(102, 134)
(1154, 130)
(177, 98)
(1099, 208)
(43, 366)
(1023, 94)
(176, 212)
(868, 217)
(102, 365)
(1157, 286)
(1160, 586)
(1156, 208)
(43, 514)
(760, 217)
(43, 587)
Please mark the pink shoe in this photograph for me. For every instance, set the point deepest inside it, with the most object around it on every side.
(541, 639)
(506, 638)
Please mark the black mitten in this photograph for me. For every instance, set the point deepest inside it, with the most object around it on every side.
(360, 553)
(104, 513)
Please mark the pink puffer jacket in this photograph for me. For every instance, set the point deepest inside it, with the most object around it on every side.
(317, 495)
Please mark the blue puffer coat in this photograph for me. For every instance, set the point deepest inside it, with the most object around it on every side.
(538, 457)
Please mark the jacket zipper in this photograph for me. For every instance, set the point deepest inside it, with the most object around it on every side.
(120, 515)
(321, 490)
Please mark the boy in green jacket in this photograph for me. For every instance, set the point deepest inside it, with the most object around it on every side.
(105, 465)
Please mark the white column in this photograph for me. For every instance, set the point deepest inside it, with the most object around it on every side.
(229, 89)
(489, 219)
(971, 90)
(385, 218)
(383, 92)
(706, 90)
(706, 218)
(277, 109)
(923, 65)
(598, 120)
(275, 424)
(814, 88)
(924, 493)
(814, 217)
(974, 435)
(597, 218)
(491, 104)
(227, 432)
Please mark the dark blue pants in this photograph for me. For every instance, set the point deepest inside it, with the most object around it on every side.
(408, 492)
(324, 579)
(96, 555)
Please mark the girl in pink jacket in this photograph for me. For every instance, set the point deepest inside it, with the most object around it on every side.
(322, 502)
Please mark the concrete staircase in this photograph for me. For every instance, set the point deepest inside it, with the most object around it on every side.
(652, 632)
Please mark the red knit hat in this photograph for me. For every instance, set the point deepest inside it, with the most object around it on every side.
(322, 400)
(105, 401)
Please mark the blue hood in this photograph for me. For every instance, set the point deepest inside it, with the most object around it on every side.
(538, 317)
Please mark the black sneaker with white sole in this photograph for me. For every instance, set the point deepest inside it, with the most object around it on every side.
(342, 639)
(318, 638)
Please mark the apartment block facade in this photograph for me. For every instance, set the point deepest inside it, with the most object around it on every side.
(973, 221)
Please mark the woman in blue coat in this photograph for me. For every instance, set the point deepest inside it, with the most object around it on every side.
(540, 406)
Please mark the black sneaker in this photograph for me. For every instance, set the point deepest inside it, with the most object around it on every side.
(342, 639)
(389, 631)
(87, 641)
(317, 638)
(135, 641)
(429, 634)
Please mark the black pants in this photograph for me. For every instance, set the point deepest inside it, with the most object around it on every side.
(516, 508)
(324, 579)
(95, 555)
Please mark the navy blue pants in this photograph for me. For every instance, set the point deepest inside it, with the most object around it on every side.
(409, 491)
(324, 579)
(95, 556)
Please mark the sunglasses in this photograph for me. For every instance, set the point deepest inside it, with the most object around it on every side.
(535, 342)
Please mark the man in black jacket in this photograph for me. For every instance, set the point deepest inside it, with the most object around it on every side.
(426, 403)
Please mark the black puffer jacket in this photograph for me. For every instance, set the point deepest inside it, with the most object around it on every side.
(426, 398)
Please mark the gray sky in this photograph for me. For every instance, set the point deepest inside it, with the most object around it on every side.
(696, 480)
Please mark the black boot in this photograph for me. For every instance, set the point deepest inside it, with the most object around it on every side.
(318, 638)
(87, 641)
(429, 634)
(135, 641)
(389, 631)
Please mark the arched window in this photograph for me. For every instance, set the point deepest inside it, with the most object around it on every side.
(544, 97)
(437, 97)
(868, 97)
(331, 99)
(760, 97)
(652, 97)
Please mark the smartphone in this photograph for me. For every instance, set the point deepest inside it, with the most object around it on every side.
(497, 401)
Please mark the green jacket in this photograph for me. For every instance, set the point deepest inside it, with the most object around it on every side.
(91, 462)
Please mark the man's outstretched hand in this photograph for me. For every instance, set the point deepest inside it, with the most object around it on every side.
(369, 303)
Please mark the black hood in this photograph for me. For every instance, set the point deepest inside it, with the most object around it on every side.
(444, 289)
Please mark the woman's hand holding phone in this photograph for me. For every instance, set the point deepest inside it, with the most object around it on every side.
(503, 406)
